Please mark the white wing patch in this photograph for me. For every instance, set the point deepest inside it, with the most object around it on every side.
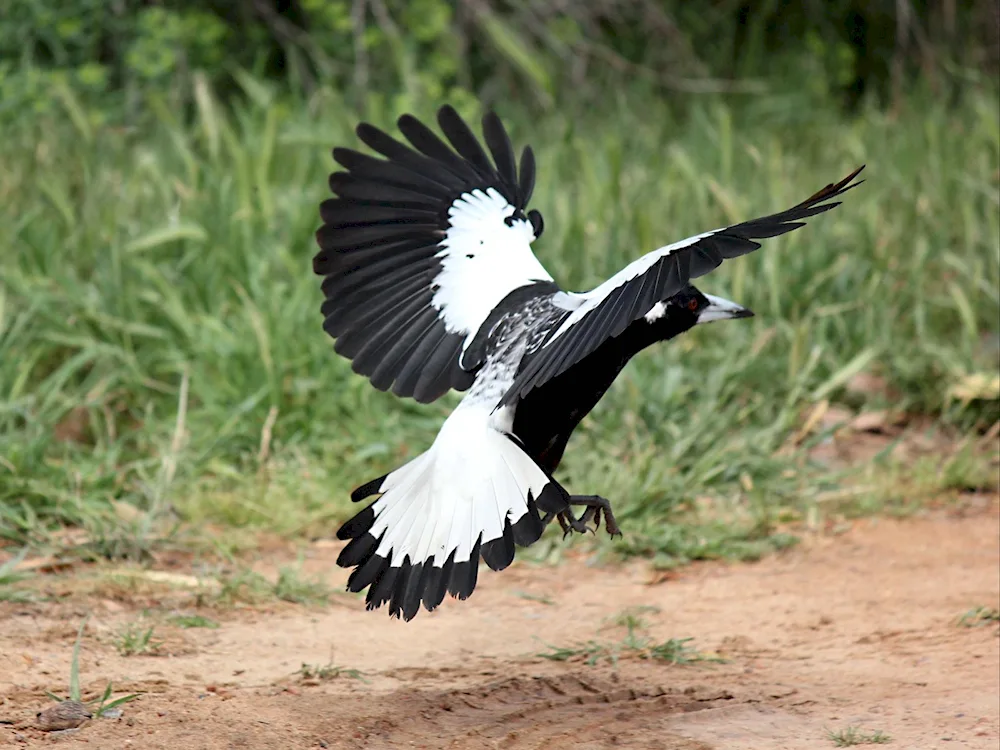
(483, 260)
(583, 303)
(656, 312)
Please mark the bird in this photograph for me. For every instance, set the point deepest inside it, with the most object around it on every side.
(63, 715)
(430, 285)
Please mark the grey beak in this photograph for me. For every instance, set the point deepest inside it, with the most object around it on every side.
(722, 309)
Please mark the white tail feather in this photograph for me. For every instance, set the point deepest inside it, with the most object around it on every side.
(462, 490)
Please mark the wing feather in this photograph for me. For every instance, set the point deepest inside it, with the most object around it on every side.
(350, 187)
(464, 140)
(419, 247)
(501, 148)
(593, 317)
(526, 184)
(391, 364)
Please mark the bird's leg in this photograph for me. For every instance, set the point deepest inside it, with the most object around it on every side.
(594, 505)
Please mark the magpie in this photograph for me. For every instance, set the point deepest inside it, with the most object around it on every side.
(430, 284)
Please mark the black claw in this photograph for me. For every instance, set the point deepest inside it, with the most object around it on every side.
(571, 523)
(579, 525)
(591, 514)
(594, 505)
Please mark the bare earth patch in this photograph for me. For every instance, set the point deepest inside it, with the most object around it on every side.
(857, 630)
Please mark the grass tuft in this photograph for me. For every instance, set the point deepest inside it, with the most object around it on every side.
(193, 621)
(10, 577)
(241, 585)
(291, 586)
(852, 736)
(539, 598)
(979, 616)
(134, 639)
(632, 646)
(328, 671)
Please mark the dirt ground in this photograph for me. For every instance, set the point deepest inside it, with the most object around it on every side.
(854, 630)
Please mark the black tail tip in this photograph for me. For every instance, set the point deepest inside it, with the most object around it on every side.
(368, 489)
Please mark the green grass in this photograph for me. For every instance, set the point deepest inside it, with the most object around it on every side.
(134, 639)
(979, 616)
(328, 671)
(671, 651)
(634, 644)
(292, 586)
(161, 343)
(853, 736)
(540, 598)
(10, 577)
(193, 621)
(241, 585)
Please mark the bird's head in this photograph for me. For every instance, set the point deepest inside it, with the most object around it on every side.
(692, 307)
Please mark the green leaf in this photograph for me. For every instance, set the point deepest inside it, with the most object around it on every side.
(964, 308)
(103, 707)
(165, 235)
(119, 701)
(74, 665)
(845, 373)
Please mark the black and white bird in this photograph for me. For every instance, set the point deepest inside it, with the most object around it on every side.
(431, 284)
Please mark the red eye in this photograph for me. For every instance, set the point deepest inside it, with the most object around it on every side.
(693, 304)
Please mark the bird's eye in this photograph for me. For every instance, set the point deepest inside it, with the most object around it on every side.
(692, 304)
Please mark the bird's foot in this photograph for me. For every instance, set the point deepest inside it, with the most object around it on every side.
(568, 522)
(596, 505)
(571, 523)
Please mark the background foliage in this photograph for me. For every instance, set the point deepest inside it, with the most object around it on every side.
(160, 340)
(428, 48)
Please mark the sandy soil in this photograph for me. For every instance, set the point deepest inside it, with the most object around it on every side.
(853, 630)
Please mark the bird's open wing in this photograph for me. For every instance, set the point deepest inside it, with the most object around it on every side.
(604, 312)
(417, 250)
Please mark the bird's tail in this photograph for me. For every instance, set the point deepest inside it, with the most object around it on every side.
(474, 492)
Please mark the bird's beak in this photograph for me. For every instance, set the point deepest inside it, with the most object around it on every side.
(722, 309)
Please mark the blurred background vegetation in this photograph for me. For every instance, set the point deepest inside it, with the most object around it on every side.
(117, 51)
(162, 362)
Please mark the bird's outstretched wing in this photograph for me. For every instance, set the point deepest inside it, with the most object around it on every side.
(418, 248)
(604, 312)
